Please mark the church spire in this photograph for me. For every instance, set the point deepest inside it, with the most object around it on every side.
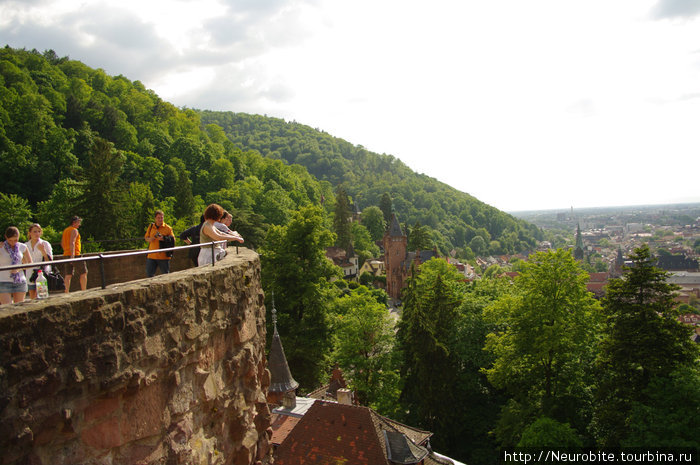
(395, 227)
(578, 250)
(281, 380)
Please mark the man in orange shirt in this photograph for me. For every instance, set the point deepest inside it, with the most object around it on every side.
(70, 241)
(155, 235)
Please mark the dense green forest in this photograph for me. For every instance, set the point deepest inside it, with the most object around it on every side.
(77, 141)
(54, 109)
(494, 363)
(454, 218)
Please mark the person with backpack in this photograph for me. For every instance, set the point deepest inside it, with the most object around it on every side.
(191, 236)
(159, 236)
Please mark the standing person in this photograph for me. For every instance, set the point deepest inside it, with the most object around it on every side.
(210, 233)
(40, 251)
(13, 283)
(70, 242)
(191, 236)
(155, 235)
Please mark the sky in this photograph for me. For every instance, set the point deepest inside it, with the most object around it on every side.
(526, 105)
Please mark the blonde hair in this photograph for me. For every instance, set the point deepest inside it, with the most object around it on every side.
(35, 225)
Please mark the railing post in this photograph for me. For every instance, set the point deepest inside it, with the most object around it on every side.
(213, 254)
(102, 271)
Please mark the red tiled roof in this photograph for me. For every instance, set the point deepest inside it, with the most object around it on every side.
(281, 426)
(598, 277)
(595, 287)
(331, 433)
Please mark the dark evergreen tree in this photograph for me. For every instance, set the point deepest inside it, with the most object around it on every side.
(103, 205)
(419, 238)
(386, 207)
(643, 340)
(184, 200)
(341, 219)
(426, 342)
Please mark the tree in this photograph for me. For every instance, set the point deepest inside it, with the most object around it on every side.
(480, 403)
(419, 238)
(14, 211)
(57, 210)
(103, 204)
(662, 419)
(341, 219)
(362, 243)
(478, 245)
(295, 268)
(547, 432)
(184, 200)
(363, 349)
(223, 175)
(542, 346)
(426, 338)
(643, 340)
(373, 219)
(386, 207)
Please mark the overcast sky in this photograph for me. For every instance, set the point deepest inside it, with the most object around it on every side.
(523, 104)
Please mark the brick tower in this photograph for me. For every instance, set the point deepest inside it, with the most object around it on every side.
(395, 243)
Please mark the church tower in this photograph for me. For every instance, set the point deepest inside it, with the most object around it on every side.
(283, 386)
(395, 243)
(578, 250)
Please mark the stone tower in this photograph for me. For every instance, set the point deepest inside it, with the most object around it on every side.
(395, 243)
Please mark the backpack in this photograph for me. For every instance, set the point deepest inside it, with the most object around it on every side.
(166, 243)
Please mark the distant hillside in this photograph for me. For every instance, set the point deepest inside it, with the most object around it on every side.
(74, 140)
(456, 218)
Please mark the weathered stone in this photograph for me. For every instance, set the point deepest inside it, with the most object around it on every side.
(143, 412)
(154, 345)
(101, 408)
(148, 372)
(104, 435)
(41, 387)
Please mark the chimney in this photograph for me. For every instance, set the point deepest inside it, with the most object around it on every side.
(289, 400)
(344, 396)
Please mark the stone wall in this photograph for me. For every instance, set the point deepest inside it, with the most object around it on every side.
(167, 370)
(122, 269)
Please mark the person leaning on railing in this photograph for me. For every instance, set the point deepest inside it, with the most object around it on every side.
(190, 236)
(210, 233)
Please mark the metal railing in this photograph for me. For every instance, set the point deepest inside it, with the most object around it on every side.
(108, 255)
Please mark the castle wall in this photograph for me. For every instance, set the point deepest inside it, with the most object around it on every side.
(129, 268)
(165, 370)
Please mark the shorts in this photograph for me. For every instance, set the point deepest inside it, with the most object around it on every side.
(8, 287)
(71, 268)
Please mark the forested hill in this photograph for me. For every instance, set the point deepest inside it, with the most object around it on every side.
(456, 218)
(74, 140)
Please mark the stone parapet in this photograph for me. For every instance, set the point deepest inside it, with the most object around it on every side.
(167, 370)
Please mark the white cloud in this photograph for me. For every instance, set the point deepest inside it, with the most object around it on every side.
(522, 104)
